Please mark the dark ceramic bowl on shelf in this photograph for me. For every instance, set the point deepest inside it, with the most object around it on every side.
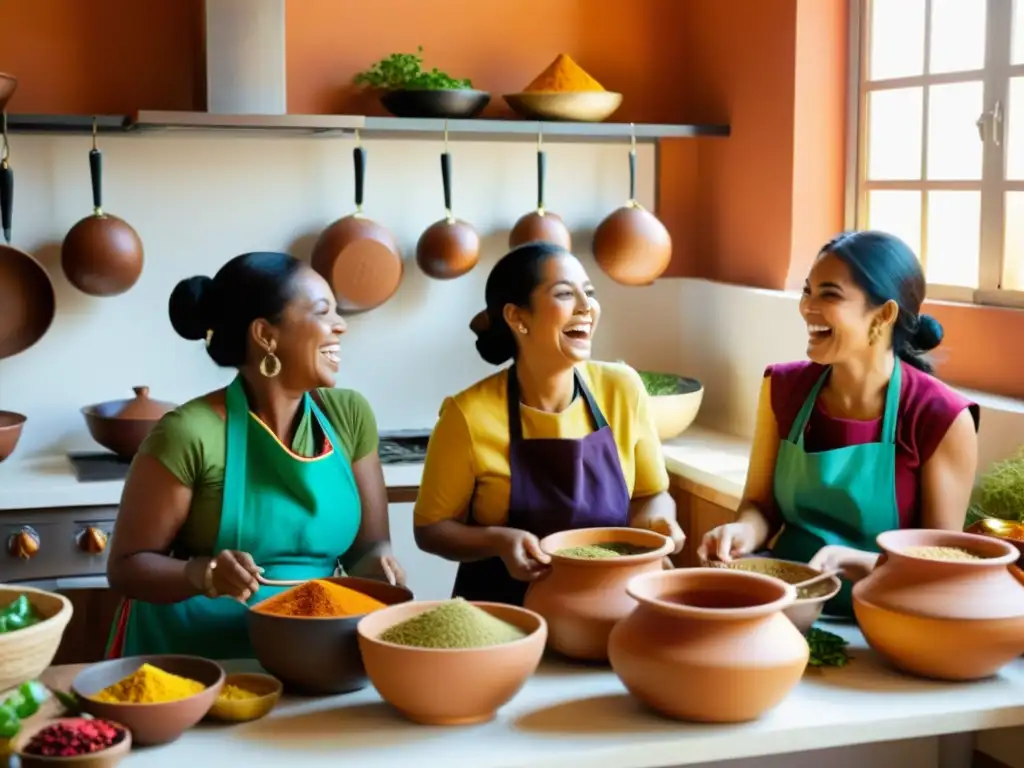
(459, 103)
(10, 432)
(318, 655)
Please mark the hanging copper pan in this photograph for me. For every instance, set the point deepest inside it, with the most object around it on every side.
(448, 248)
(541, 224)
(631, 245)
(8, 85)
(357, 256)
(101, 254)
(27, 300)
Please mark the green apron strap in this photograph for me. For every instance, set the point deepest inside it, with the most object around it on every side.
(796, 432)
(236, 442)
(892, 404)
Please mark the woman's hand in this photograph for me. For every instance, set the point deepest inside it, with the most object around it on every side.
(855, 564)
(521, 553)
(230, 574)
(666, 526)
(380, 564)
(727, 542)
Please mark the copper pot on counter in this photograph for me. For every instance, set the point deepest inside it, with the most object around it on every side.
(122, 425)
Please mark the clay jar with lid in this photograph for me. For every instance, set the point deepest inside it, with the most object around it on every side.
(943, 619)
(582, 599)
(121, 425)
(709, 645)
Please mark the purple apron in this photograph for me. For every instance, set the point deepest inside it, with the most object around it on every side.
(556, 485)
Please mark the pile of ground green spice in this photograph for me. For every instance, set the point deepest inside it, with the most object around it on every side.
(605, 549)
(453, 624)
(827, 649)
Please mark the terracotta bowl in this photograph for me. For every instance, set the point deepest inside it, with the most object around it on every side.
(267, 688)
(318, 656)
(581, 600)
(450, 687)
(806, 610)
(24, 654)
(581, 106)
(709, 644)
(105, 759)
(942, 619)
(10, 432)
(158, 723)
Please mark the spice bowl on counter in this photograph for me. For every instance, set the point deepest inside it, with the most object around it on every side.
(943, 605)
(709, 644)
(1007, 530)
(72, 741)
(451, 662)
(246, 696)
(32, 623)
(156, 697)
(306, 636)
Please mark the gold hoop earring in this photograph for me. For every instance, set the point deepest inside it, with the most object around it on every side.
(270, 365)
(523, 329)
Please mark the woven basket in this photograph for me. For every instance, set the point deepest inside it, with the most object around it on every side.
(25, 653)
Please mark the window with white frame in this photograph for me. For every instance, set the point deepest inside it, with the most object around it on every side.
(940, 139)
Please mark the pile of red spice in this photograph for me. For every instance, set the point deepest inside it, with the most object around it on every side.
(72, 737)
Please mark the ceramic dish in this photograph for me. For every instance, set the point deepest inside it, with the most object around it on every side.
(106, 758)
(582, 107)
(267, 689)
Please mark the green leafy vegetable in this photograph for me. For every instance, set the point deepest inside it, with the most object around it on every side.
(827, 649)
(18, 614)
(661, 383)
(1000, 492)
(404, 71)
(22, 703)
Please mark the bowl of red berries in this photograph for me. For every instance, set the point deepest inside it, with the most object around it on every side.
(82, 742)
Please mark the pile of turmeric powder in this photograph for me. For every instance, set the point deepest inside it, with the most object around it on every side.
(149, 685)
(236, 693)
(563, 75)
(319, 599)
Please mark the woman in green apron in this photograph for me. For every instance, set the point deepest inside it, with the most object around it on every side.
(277, 474)
(861, 438)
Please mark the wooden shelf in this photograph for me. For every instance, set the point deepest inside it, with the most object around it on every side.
(369, 127)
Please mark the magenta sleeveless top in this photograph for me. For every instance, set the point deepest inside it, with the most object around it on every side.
(927, 409)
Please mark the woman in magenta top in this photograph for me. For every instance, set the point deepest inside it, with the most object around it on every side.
(861, 438)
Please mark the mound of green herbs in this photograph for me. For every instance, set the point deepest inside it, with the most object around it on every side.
(827, 649)
(21, 703)
(661, 383)
(1000, 492)
(404, 71)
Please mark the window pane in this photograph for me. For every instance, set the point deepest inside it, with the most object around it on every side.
(954, 238)
(898, 213)
(958, 35)
(954, 146)
(1018, 32)
(896, 39)
(1013, 253)
(1015, 131)
(894, 134)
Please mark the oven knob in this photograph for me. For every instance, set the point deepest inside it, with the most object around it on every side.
(92, 540)
(24, 544)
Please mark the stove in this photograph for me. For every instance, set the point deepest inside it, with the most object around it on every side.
(98, 467)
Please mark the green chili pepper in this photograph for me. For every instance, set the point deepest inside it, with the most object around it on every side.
(10, 723)
(18, 615)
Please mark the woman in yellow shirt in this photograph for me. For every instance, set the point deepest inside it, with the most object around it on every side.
(555, 442)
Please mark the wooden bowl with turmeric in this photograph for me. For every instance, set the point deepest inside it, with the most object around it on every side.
(306, 635)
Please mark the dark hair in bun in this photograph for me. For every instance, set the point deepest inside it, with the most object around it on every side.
(250, 287)
(886, 269)
(512, 281)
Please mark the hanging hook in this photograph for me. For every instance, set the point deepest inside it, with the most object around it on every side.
(94, 133)
(632, 138)
(5, 152)
(446, 135)
(540, 136)
(359, 141)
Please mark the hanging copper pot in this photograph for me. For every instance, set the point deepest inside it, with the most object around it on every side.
(8, 85)
(448, 248)
(631, 245)
(122, 425)
(541, 224)
(27, 299)
(357, 256)
(102, 254)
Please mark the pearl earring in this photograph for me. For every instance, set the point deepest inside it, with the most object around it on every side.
(522, 329)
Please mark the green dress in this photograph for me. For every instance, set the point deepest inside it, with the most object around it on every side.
(295, 515)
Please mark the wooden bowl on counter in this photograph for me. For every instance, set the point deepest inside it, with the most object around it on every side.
(11, 424)
(106, 758)
(267, 690)
(673, 413)
(159, 722)
(318, 656)
(122, 425)
(581, 107)
(450, 686)
(25, 653)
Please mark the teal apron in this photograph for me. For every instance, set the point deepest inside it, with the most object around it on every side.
(845, 497)
(296, 516)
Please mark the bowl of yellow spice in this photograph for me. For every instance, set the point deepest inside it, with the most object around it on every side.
(246, 696)
(156, 697)
(564, 91)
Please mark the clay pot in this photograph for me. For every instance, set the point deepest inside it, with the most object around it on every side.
(631, 245)
(583, 599)
(942, 619)
(10, 432)
(357, 256)
(121, 425)
(102, 254)
(709, 645)
(540, 225)
(448, 248)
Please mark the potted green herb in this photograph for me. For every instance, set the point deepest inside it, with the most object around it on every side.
(674, 401)
(407, 90)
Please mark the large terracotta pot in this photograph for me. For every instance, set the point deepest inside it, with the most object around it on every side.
(948, 620)
(709, 645)
(582, 599)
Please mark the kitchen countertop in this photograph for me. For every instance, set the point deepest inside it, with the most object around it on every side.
(706, 457)
(577, 715)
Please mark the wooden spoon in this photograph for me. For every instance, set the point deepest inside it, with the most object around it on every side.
(823, 576)
(279, 582)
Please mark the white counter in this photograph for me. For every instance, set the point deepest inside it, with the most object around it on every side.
(568, 715)
(712, 459)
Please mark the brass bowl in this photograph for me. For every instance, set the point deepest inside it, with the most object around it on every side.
(1000, 529)
(266, 687)
(580, 107)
